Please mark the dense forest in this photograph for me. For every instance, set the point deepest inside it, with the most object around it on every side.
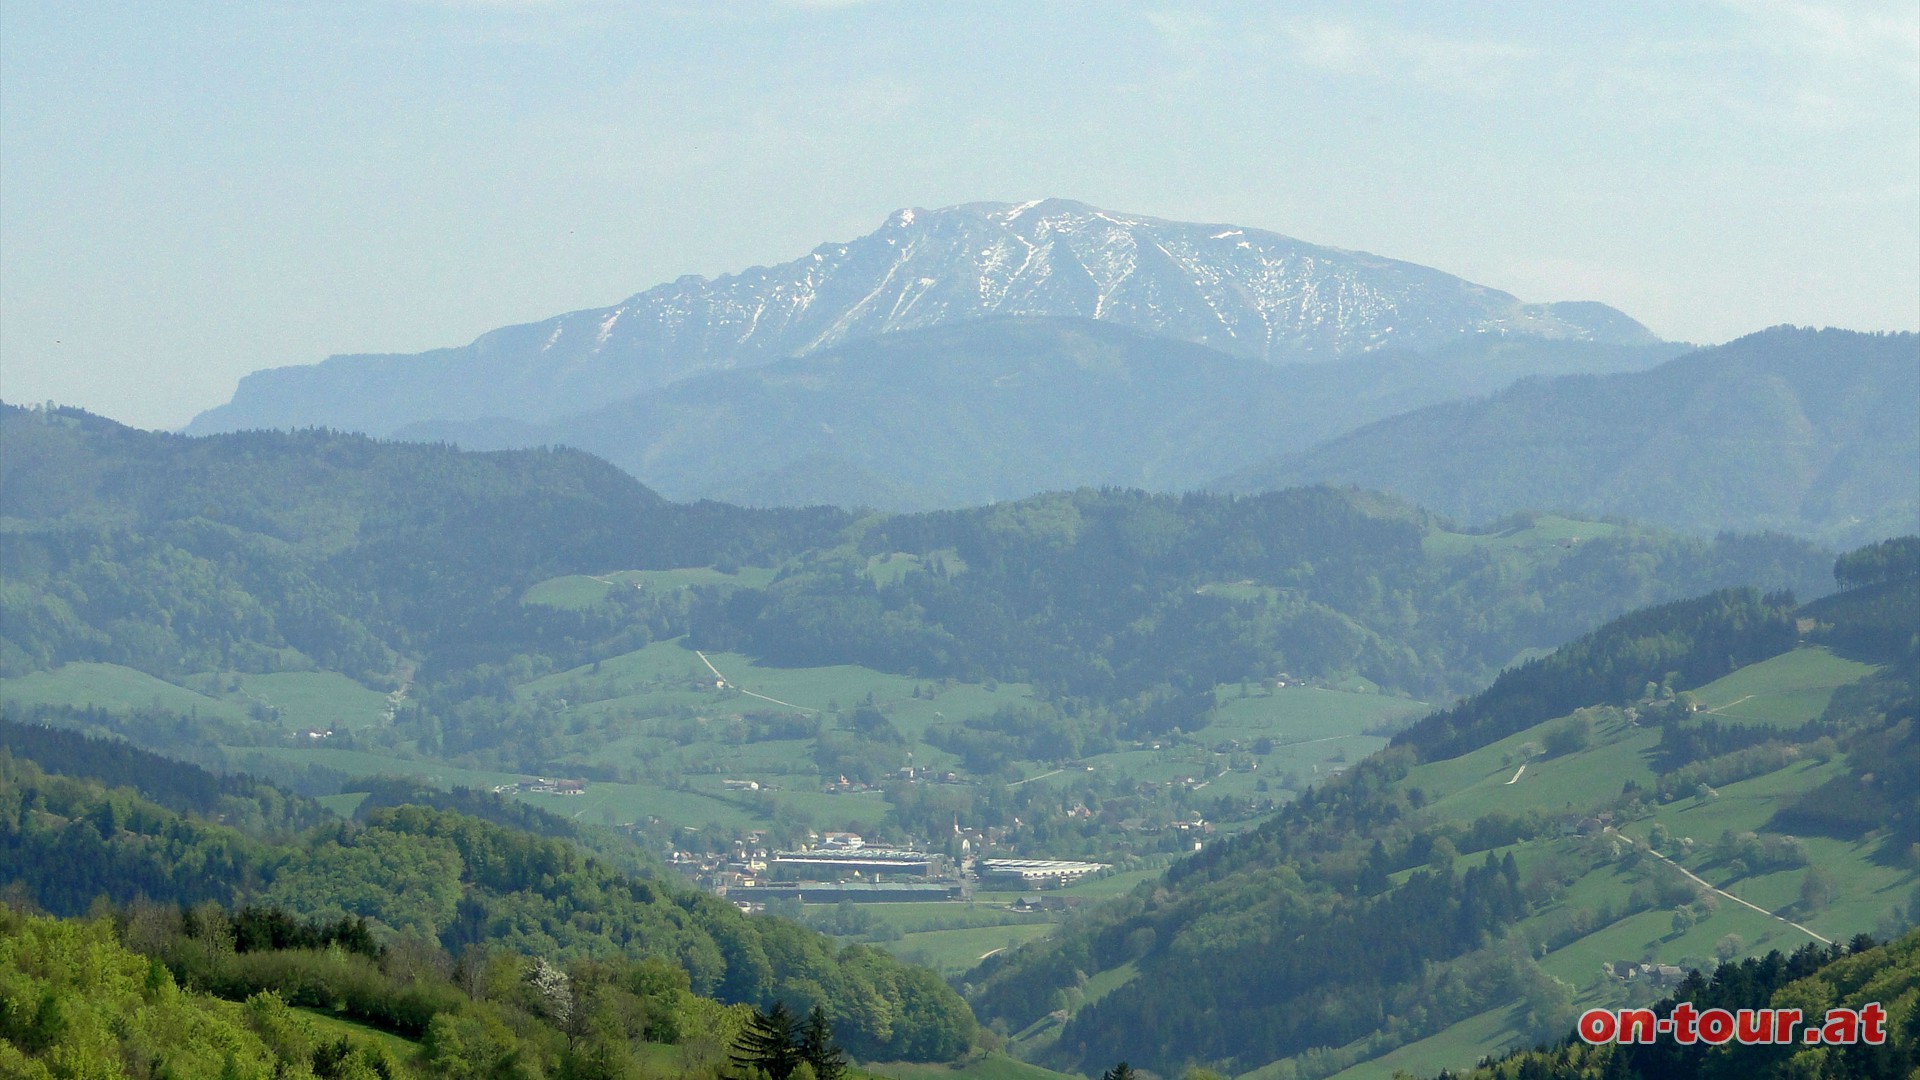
(1109, 594)
(253, 994)
(438, 883)
(263, 549)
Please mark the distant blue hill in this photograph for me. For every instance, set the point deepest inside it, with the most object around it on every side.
(1812, 432)
(998, 409)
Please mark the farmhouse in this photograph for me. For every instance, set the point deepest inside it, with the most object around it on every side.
(556, 787)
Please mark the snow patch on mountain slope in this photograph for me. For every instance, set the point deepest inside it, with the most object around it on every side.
(1246, 291)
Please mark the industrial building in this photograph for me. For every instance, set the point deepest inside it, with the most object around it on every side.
(865, 861)
(1033, 873)
(858, 892)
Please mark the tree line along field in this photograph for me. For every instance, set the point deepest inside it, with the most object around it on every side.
(661, 715)
(584, 591)
(286, 702)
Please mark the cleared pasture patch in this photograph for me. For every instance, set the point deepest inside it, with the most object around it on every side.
(1785, 691)
(115, 689)
(319, 700)
(952, 952)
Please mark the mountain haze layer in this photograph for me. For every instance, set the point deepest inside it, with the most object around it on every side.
(1811, 432)
(1247, 292)
(1003, 408)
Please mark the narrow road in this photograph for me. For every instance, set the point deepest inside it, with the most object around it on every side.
(1716, 709)
(1031, 779)
(1710, 887)
(1516, 773)
(1310, 742)
(744, 690)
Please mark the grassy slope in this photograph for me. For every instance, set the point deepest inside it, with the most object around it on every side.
(1786, 691)
(302, 700)
(317, 700)
(115, 688)
(954, 952)
(1468, 1041)
(331, 1026)
(1544, 531)
(1311, 728)
(1782, 691)
(581, 591)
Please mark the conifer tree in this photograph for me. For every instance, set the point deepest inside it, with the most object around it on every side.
(769, 1043)
(818, 1049)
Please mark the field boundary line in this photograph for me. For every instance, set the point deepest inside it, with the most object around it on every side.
(1711, 887)
(724, 681)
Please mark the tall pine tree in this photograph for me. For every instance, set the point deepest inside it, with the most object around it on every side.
(769, 1043)
(818, 1049)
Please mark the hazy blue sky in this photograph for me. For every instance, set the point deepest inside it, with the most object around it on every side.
(190, 191)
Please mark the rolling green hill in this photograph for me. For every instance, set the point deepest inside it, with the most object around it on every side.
(437, 882)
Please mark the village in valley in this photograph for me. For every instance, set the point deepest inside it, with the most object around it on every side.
(841, 867)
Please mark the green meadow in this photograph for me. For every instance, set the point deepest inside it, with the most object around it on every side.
(1542, 536)
(1786, 691)
(1457, 1046)
(115, 689)
(953, 952)
(579, 592)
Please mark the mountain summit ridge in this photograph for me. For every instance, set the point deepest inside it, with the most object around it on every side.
(1244, 291)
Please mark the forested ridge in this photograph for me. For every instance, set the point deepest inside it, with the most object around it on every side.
(151, 991)
(1110, 593)
(174, 555)
(448, 886)
(987, 410)
(1813, 432)
(404, 565)
(1689, 643)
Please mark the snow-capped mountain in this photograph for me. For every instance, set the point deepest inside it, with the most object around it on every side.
(1239, 290)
